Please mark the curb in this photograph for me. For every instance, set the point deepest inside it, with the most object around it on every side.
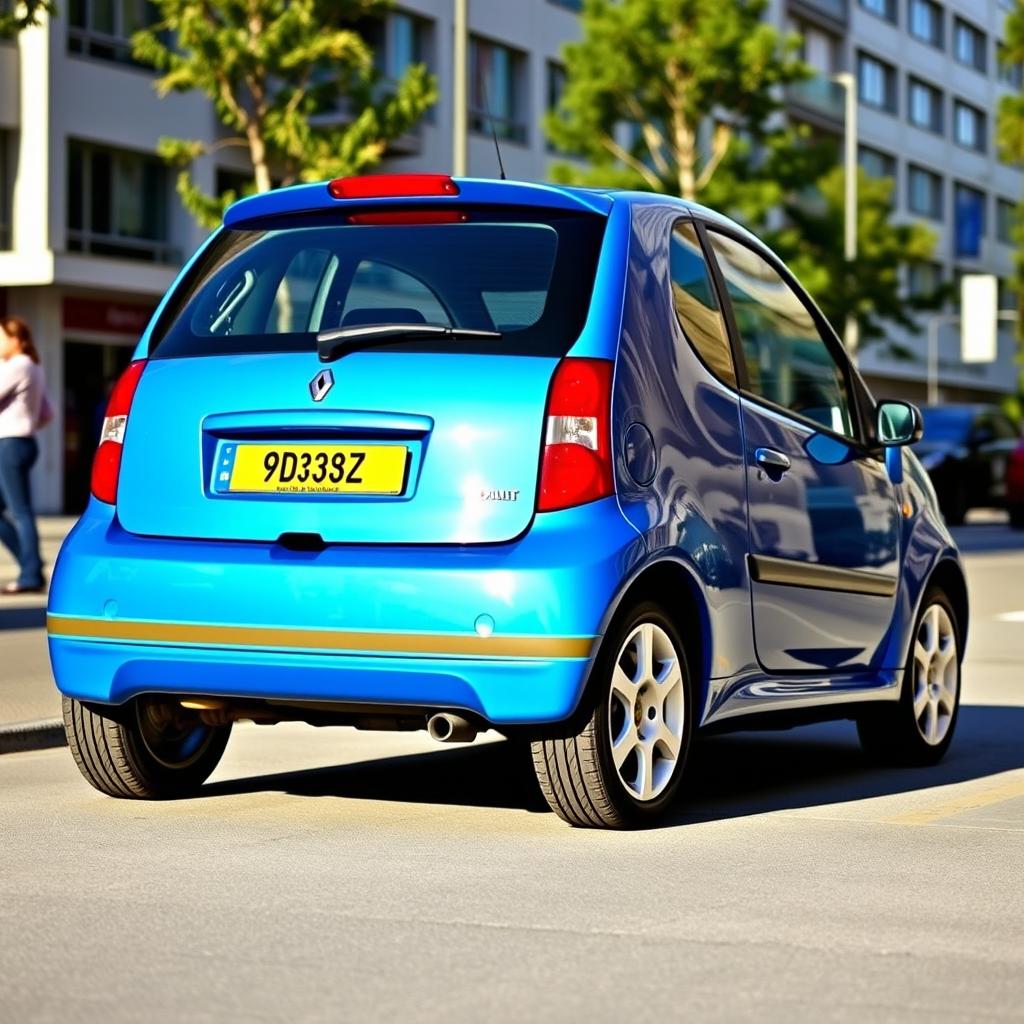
(32, 736)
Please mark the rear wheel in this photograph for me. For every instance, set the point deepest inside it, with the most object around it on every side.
(624, 767)
(919, 729)
(149, 749)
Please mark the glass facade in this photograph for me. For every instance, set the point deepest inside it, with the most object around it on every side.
(117, 204)
(497, 90)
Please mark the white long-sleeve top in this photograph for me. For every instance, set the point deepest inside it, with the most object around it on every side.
(22, 385)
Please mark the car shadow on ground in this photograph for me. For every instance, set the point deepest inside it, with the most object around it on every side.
(729, 776)
(987, 538)
(22, 618)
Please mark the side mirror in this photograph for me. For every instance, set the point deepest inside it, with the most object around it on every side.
(898, 423)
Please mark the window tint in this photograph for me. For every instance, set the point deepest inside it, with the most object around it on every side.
(696, 304)
(272, 286)
(786, 359)
(377, 286)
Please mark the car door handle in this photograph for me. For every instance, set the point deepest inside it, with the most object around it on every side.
(773, 463)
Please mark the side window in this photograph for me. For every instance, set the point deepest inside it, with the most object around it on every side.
(696, 305)
(786, 359)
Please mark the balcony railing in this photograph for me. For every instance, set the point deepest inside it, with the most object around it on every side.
(819, 96)
(123, 247)
(838, 10)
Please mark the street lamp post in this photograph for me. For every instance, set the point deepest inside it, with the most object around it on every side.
(460, 99)
(849, 84)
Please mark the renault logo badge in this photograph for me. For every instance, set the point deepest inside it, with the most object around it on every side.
(320, 385)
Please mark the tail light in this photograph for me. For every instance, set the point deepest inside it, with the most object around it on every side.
(576, 466)
(106, 466)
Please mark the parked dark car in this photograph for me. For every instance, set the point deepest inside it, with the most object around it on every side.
(966, 450)
(1015, 487)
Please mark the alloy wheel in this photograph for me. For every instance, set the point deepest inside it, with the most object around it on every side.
(936, 674)
(646, 712)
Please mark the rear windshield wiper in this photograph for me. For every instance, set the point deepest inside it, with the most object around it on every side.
(334, 343)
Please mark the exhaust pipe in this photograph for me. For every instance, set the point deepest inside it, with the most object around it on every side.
(448, 728)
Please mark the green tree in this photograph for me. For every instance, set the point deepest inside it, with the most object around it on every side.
(869, 288)
(1010, 131)
(280, 75)
(680, 96)
(18, 14)
(686, 97)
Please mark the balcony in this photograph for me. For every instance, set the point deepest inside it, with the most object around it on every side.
(829, 13)
(819, 101)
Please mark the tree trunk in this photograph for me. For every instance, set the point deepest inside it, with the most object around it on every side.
(258, 155)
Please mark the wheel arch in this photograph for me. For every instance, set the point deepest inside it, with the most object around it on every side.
(676, 589)
(949, 576)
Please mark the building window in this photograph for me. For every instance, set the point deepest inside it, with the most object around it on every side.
(104, 29)
(969, 211)
(877, 164)
(876, 83)
(497, 91)
(1006, 218)
(1010, 72)
(926, 22)
(555, 84)
(925, 106)
(572, 5)
(969, 45)
(883, 8)
(924, 192)
(923, 279)
(968, 127)
(118, 204)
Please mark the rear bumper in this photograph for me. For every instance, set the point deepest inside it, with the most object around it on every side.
(506, 632)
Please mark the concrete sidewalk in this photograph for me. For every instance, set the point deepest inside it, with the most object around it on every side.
(28, 699)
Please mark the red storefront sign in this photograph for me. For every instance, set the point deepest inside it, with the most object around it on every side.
(102, 317)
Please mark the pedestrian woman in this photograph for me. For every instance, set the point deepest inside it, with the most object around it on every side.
(23, 410)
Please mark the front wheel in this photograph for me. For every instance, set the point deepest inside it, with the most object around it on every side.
(149, 749)
(624, 767)
(919, 728)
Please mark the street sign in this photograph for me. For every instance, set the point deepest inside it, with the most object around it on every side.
(979, 309)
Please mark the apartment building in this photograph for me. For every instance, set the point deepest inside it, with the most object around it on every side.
(929, 80)
(91, 232)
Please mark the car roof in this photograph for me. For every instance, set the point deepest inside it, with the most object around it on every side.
(314, 197)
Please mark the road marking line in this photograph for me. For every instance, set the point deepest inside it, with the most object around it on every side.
(967, 802)
(1010, 617)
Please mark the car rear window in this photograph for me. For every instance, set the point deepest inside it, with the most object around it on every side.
(272, 286)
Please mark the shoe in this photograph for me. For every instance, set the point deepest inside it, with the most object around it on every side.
(17, 588)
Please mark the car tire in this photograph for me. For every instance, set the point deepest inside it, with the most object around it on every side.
(623, 768)
(1016, 517)
(955, 507)
(918, 729)
(148, 749)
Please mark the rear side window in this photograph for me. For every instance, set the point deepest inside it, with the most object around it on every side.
(272, 287)
(696, 304)
(787, 360)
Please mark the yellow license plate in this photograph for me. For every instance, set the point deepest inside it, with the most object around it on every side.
(315, 468)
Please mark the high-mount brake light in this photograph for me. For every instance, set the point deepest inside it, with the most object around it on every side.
(106, 466)
(401, 217)
(388, 186)
(576, 466)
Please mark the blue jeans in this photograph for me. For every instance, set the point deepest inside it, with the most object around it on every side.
(17, 522)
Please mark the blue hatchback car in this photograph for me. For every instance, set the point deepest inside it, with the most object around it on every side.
(584, 467)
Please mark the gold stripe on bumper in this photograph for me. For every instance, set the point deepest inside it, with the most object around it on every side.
(434, 644)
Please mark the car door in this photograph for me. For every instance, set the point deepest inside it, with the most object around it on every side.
(821, 510)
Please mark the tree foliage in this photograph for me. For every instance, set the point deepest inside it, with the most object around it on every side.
(19, 14)
(680, 96)
(1010, 132)
(686, 97)
(293, 83)
(870, 287)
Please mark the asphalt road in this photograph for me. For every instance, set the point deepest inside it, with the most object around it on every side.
(332, 875)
